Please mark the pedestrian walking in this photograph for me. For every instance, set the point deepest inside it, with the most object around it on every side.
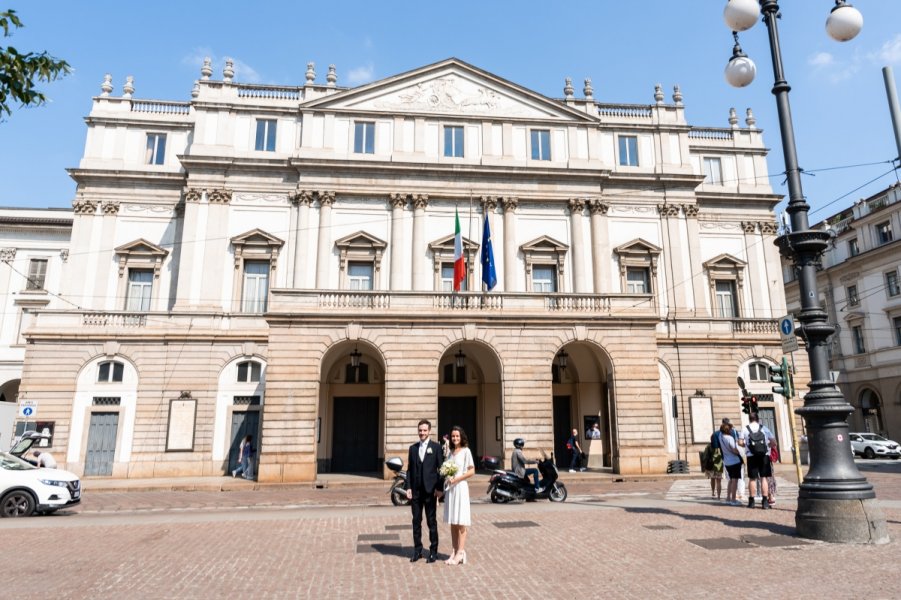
(740, 487)
(246, 453)
(456, 501)
(732, 461)
(575, 452)
(758, 440)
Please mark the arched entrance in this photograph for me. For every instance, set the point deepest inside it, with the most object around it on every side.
(582, 395)
(870, 407)
(350, 432)
(469, 395)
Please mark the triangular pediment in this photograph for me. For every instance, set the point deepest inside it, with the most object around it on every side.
(447, 243)
(450, 87)
(361, 239)
(544, 243)
(724, 261)
(257, 237)
(637, 246)
(141, 247)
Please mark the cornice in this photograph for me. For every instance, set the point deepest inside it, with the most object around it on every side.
(120, 175)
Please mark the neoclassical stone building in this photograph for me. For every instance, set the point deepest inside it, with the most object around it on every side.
(278, 261)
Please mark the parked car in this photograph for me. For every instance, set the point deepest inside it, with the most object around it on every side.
(26, 489)
(870, 445)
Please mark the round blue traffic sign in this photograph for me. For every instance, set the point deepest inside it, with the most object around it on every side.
(27, 411)
(786, 326)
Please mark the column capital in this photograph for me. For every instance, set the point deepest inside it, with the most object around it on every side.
(749, 226)
(7, 254)
(398, 200)
(219, 196)
(488, 203)
(668, 210)
(84, 207)
(597, 207)
(326, 198)
(110, 207)
(420, 201)
(510, 203)
(768, 227)
(576, 205)
(302, 198)
(691, 210)
(193, 194)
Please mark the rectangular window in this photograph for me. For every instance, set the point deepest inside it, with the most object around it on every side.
(896, 323)
(857, 332)
(637, 281)
(359, 275)
(453, 141)
(37, 274)
(249, 372)
(725, 300)
(541, 144)
(628, 150)
(156, 149)
(758, 372)
(364, 138)
(544, 279)
(265, 140)
(447, 278)
(853, 248)
(853, 298)
(256, 286)
(713, 168)
(140, 286)
(891, 283)
(884, 232)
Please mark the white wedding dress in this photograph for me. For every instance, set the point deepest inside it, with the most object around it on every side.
(456, 497)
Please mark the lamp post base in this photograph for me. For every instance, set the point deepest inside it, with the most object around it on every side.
(851, 521)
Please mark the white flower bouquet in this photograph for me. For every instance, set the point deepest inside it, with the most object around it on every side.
(448, 468)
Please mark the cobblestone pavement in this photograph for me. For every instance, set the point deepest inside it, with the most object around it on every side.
(623, 540)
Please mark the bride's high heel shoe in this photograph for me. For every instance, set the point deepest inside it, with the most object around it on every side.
(462, 558)
(450, 561)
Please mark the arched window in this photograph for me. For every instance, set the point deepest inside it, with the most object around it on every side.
(110, 371)
(758, 372)
(249, 371)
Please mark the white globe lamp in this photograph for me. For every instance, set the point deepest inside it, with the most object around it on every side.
(844, 22)
(741, 15)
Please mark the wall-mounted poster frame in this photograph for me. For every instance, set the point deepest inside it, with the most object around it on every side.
(701, 408)
(181, 425)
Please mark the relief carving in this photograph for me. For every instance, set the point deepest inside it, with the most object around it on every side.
(445, 94)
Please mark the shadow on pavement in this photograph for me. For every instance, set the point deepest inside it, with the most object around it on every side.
(761, 525)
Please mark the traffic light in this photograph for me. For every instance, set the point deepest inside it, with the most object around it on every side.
(782, 376)
(746, 404)
(753, 404)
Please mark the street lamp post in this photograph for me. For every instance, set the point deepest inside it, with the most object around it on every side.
(835, 502)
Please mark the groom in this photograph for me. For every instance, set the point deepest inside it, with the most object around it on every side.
(424, 486)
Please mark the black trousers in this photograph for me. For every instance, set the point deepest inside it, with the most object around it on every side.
(425, 500)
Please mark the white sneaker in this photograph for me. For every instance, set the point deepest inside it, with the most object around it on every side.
(572, 470)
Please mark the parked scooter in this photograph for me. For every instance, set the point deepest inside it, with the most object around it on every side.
(397, 491)
(506, 486)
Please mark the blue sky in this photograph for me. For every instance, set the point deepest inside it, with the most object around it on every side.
(838, 96)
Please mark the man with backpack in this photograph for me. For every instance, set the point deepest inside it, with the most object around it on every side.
(758, 440)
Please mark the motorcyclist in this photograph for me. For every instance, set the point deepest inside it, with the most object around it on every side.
(520, 461)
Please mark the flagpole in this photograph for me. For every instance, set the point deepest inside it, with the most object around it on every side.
(465, 255)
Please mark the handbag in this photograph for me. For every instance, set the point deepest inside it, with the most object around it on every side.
(774, 454)
(569, 446)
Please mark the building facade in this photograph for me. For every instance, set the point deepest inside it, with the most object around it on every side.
(279, 261)
(860, 288)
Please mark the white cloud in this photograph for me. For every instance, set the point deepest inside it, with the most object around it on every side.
(360, 75)
(243, 71)
(890, 53)
(821, 59)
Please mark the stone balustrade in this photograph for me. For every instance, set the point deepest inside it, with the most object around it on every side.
(711, 133)
(269, 92)
(626, 111)
(161, 107)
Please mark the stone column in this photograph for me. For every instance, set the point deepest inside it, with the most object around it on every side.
(754, 254)
(83, 241)
(7, 317)
(600, 246)
(109, 209)
(189, 252)
(398, 202)
(672, 255)
(694, 259)
(216, 236)
(576, 206)
(772, 272)
(420, 279)
(302, 201)
(509, 203)
(323, 251)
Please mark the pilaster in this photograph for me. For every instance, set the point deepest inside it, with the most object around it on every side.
(510, 204)
(600, 246)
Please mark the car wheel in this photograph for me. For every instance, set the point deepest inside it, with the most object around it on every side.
(17, 503)
(868, 453)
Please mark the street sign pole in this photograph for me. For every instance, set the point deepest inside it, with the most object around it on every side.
(791, 422)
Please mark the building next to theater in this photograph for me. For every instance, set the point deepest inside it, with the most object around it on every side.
(279, 261)
(860, 289)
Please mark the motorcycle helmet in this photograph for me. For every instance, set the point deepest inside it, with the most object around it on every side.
(519, 443)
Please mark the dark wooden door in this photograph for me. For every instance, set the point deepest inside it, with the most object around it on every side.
(243, 423)
(562, 430)
(459, 411)
(355, 435)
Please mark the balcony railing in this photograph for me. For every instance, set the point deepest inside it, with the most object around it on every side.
(755, 326)
(105, 319)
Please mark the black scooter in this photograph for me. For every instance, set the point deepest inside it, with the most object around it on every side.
(506, 486)
(397, 491)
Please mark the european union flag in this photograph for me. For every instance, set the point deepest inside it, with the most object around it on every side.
(489, 275)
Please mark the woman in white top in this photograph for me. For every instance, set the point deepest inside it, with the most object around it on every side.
(732, 460)
(456, 496)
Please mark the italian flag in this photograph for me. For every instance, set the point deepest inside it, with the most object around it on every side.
(459, 264)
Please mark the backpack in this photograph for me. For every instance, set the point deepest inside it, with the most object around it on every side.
(715, 439)
(707, 458)
(757, 442)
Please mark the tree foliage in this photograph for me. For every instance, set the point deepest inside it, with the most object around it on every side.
(20, 72)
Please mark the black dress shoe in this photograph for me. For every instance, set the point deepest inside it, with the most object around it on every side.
(433, 556)
(416, 556)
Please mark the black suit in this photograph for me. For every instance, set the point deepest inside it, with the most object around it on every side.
(423, 479)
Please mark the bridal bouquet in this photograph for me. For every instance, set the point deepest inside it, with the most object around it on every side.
(448, 468)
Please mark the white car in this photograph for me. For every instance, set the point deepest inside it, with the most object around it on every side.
(26, 489)
(870, 445)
